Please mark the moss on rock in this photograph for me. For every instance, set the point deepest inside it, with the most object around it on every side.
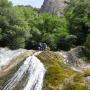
(86, 72)
(59, 76)
(57, 72)
(75, 86)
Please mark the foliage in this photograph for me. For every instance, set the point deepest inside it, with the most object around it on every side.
(77, 14)
(77, 86)
(13, 29)
(86, 72)
(28, 27)
(59, 76)
(56, 72)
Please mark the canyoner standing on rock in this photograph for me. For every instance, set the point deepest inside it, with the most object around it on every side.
(40, 46)
(45, 46)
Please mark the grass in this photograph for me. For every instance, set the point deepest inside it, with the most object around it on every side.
(86, 72)
(75, 86)
(56, 70)
(59, 76)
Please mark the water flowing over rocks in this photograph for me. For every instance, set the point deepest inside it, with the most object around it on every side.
(36, 76)
(43, 70)
(36, 73)
(32, 67)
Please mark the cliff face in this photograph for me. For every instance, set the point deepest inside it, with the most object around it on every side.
(54, 6)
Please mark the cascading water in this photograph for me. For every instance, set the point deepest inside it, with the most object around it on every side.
(35, 70)
(36, 74)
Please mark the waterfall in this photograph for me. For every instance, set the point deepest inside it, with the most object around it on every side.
(35, 70)
(36, 74)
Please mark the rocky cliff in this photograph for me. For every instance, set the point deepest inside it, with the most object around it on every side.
(54, 6)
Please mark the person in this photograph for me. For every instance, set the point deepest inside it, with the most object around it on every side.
(40, 46)
(45, 46)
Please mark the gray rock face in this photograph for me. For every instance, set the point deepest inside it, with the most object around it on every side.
(54, 6)
(75, 57)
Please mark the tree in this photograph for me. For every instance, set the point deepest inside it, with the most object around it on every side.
(5, 3)
(14, 30)
(77, 14)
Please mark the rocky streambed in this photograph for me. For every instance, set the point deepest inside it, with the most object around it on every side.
(61, 72)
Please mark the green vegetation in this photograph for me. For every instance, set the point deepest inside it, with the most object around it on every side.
(13, 31)
(56, 72)
(59, 76)
(86, 72)
(78, 17)
(26, 27)
(77, 86)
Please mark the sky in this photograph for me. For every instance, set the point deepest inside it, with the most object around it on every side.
(34, 3)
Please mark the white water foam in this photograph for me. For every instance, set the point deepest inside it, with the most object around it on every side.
(36, 75)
